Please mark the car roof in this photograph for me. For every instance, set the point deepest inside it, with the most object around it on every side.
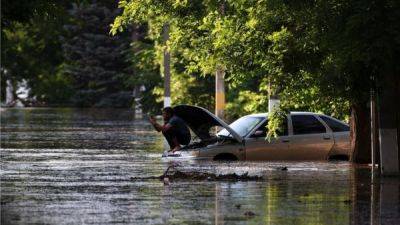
(292, 113)
(258, 115)
(304, 113)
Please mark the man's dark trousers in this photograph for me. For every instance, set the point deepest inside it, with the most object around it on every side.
(172, 133)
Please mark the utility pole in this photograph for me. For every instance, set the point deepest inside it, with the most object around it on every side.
(167, 72)
(220, 92)
(273, 98)
(374, 128)
(220, 82)
(136, 90)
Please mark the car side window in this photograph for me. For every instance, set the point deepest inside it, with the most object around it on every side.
(335, 125)
(307, 124)
(263, 128)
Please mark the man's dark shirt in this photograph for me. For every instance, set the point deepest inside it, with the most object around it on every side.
(179, 126)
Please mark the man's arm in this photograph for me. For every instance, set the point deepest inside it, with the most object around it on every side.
(158, 126)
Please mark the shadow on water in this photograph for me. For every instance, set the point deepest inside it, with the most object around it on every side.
(70, 166)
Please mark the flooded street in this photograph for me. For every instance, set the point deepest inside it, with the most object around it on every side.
(79, 166)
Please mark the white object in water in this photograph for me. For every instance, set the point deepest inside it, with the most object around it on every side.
(166, 181)
(9, 92)
(170, 154)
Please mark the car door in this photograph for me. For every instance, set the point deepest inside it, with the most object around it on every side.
(310, 139)
(258, 148)
(341, 135)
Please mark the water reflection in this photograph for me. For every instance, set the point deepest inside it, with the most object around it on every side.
(68, 166)
(376, 200)
(348, 198)
(289, 199)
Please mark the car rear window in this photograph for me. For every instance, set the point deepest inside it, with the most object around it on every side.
(307, 124)
(335, 125)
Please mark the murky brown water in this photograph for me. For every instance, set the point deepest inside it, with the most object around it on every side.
(70, 166)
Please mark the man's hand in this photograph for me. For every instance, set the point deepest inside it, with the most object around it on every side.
(157, 126)
(152, 120)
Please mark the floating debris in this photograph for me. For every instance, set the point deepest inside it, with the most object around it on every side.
(249, 213)
(282, 168)
(179, 175)
(169, 176)
(347, 201)
(166, 181)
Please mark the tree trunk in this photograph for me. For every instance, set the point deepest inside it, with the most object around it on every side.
(360, 136)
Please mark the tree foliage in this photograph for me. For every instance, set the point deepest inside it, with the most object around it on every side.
(64, 51)
(318, 55)
(97, 63)
(31, 48)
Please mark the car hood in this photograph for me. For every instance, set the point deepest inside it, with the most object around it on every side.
(200, 121)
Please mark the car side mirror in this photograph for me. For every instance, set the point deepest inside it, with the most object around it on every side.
(258, 133)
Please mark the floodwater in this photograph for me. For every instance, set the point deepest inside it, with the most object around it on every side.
(78, 166)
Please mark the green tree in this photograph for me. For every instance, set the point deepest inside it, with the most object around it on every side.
(98, 64)
(31, 49)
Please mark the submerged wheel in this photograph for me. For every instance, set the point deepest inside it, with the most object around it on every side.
(338, 158)
(225, 157)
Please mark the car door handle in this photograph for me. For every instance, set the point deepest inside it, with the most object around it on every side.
(285, 141)
(327, 138)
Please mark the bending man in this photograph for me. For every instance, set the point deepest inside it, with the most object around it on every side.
(174, 129)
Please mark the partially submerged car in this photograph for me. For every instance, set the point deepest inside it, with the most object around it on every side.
(305, 136)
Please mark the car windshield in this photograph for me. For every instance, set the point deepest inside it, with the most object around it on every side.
(242, 126)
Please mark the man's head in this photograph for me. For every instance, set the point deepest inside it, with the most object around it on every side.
(167, 113)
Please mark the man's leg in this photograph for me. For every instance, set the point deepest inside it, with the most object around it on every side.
(183, 139)
(177, 145)
(170, 138)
